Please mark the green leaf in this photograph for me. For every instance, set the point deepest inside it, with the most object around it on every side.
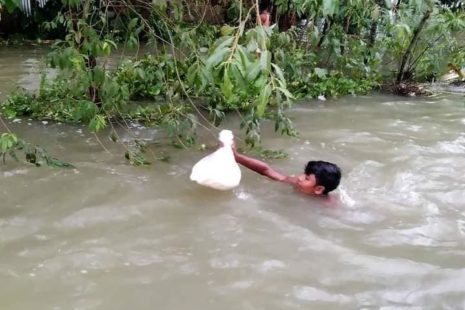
(263, 100)
(252, 46)
(56, 163)
(265, 61)
(133, 23)
(192, 74)
(98, 123)
(86, 110)
(239, 77)
(107, 45)
(223, 42)
(226, 30)
(244, 61)
(321, 73)
(261, 37)
(286, 92)
(132, 42)
(99, 76)
(402, 30)
(260, 82)
(330, 7)
(77, 37)
(7, 141)
(217, 56)
(252, 71)
(141, 73)
(279, 73)
(375, 13)
(227, 87)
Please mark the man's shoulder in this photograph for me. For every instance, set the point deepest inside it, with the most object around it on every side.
(331, 200)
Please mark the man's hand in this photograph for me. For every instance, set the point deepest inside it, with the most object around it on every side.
(233, 146)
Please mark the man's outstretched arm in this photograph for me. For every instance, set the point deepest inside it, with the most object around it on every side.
(261, 168)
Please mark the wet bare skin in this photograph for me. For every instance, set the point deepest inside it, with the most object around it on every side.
(303, 183)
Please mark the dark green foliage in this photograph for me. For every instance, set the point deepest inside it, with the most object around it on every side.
(153, 77)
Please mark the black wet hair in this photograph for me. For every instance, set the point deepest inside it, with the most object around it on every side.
(326, 174)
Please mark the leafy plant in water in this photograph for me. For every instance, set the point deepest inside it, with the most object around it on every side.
(10, 145)
(135, 153)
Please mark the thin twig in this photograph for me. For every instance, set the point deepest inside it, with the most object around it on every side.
(4, 124)
(101, 144)
(423, 52)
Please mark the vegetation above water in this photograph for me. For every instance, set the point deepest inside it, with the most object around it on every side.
(10, 146)
(213, 58)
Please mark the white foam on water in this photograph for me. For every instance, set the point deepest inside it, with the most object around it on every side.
(456, 146)
(309, 293)
(271, 265)
(15, 172)
(345, 197)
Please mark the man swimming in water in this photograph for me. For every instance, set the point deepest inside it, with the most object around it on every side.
(319, 177)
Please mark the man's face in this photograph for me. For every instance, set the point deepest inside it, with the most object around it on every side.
(307, 184)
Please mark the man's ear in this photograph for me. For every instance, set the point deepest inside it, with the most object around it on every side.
(319, 190)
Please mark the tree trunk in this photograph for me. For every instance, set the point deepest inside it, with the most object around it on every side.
(325, 31)
(287, 20)
(346, 25)
(9, 23)
(373, 30)
(91, 63)
(371, 38)
(408, 52)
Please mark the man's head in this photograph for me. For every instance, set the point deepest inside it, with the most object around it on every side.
(320, 178)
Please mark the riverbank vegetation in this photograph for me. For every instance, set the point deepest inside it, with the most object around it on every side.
(211, 58)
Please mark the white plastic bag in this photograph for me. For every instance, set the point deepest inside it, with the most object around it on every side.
(218, 170)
